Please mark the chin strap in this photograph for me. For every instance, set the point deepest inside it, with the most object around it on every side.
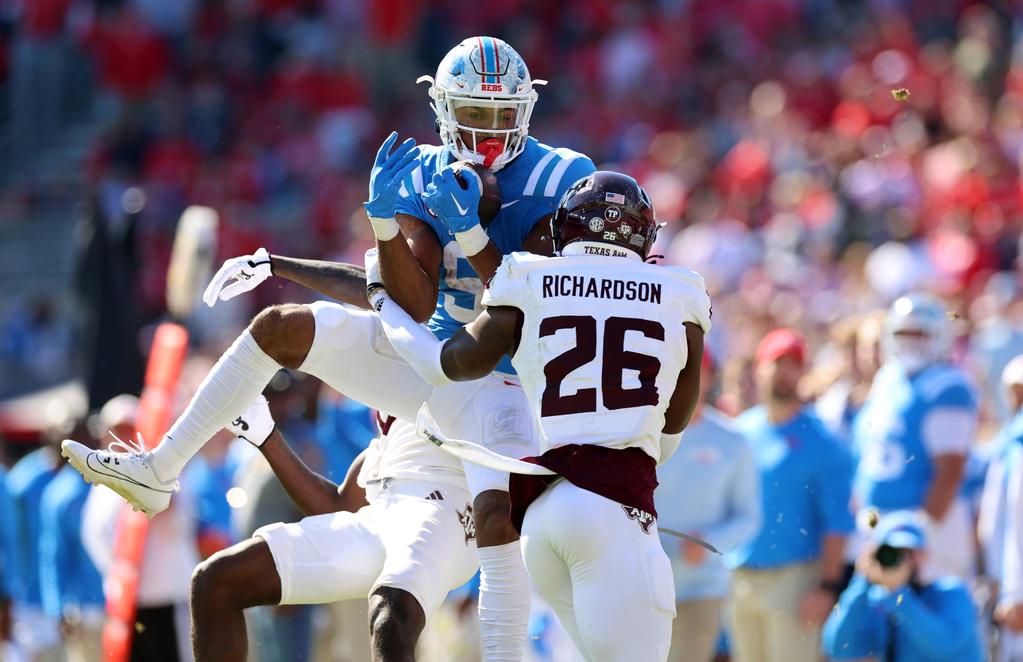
(652, 259)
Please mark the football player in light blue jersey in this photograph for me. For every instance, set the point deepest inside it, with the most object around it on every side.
(914, 432)
(434, 256)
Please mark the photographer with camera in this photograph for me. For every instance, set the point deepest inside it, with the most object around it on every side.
(887, 612)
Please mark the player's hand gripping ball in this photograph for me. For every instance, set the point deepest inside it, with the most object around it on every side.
(490, 191)
(238, 275)
(456, 196)
(255, 424)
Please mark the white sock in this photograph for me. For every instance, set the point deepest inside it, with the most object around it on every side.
(239, 376)
(504, 603)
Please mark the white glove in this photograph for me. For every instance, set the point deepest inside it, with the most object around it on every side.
(255, 424)
(246, 272)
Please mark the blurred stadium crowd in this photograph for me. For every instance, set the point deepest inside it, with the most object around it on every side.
(766, 131)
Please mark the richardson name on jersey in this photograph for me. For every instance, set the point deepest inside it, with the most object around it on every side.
(587, 287)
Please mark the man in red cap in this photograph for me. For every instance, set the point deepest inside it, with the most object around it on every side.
(788, 577)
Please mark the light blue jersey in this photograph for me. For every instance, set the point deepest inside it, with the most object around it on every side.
(26, 482)
(531, 187)
(67, 576)
(895, 437)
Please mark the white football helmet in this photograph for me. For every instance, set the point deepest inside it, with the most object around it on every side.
(917, 331)
(483, 97)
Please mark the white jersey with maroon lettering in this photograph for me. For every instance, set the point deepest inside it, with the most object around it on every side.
(602, 343)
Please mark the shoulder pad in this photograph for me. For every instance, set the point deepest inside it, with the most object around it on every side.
(504, 288)
(547, 178)
(694, 295)
(945, 382)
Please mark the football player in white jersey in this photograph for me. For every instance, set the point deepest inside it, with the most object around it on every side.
(400, 523)
(608, 349)
(435, 256)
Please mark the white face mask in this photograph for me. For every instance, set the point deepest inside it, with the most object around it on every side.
(912, 353)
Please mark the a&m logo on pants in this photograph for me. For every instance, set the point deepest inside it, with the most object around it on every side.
(644, 518)
(468, 523)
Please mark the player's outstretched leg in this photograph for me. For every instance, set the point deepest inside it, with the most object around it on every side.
(223, 586)
(279, 336)
(395, 621)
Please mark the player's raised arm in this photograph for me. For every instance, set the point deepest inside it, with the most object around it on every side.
(344, 282)
(410, 266)
(410, 252)
(338, 280)
(311, 492)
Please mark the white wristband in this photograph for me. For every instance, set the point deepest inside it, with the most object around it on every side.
(384, 229)
(472, 240)
(669, 444)
(377, 297)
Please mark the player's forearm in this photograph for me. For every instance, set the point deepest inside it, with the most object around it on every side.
(351, 495)
(406, 282)
(337, 280)
(944, 488)
(486, 262)
(311, 492)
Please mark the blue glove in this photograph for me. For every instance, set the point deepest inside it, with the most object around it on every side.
(455, 206)
(388, 171)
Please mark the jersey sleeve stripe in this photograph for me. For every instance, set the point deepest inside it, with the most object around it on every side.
(935, 385)
(417, 179)
(534, 177)
(567, 156)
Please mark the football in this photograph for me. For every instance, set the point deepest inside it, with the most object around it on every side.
(490, 192)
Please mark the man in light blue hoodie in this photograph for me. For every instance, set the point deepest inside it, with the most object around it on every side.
(888, 613)
(709, 489)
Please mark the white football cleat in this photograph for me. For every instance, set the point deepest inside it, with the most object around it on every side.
(124, 468)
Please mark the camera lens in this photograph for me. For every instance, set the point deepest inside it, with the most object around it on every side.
(889, 556)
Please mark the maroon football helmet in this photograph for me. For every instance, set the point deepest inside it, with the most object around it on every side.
(606, 207)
